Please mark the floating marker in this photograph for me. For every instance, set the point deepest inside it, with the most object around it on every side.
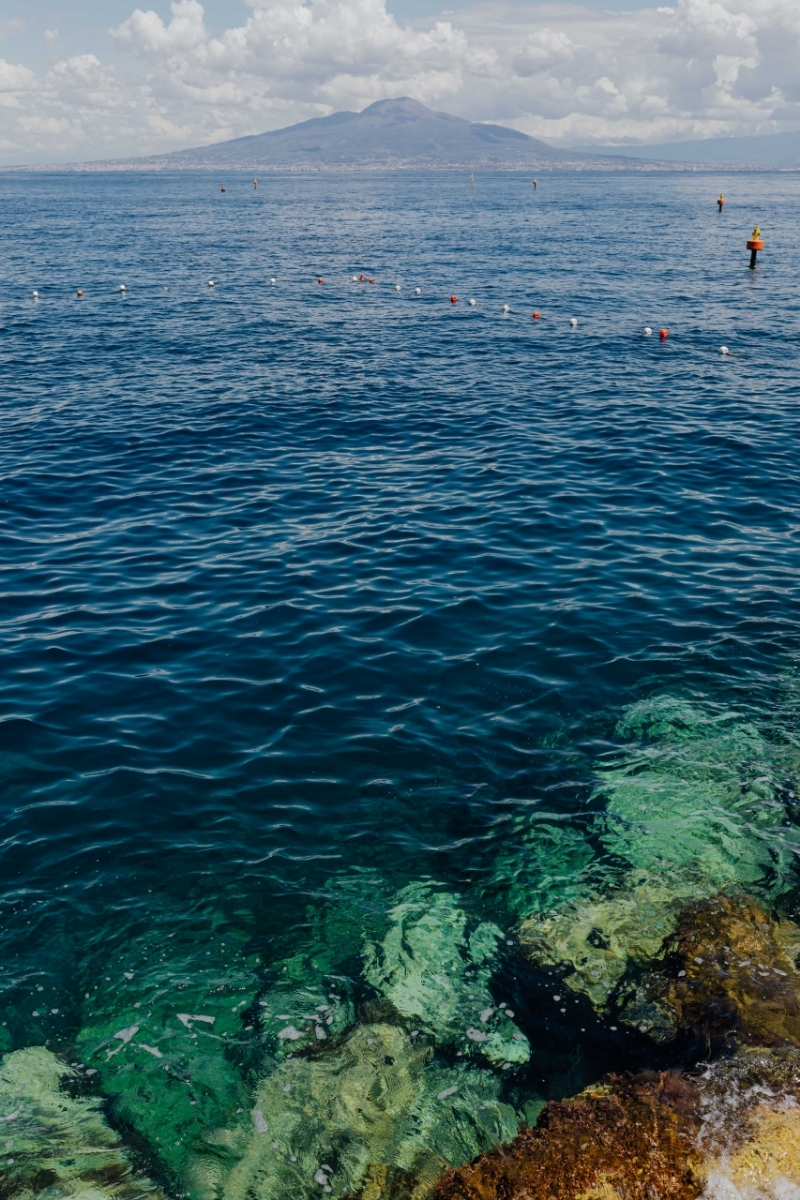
(724, 350)
(647, 331)
(506, 308)
(320, 279)
(372, 280)
(272, 281)
(80, 293)
(754, 244)
(536, 316)
(472, 303)
(355, 279)
(397, 287)
(720, 202)
(361, 279)
(211, 283)
(417, 291)
(663, 334)
(222, 189)
(573, 322)
(35, 295)
(454, 299)
(122, 287)
(255, 183)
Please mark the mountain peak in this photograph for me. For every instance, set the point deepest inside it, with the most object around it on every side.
(396, 132)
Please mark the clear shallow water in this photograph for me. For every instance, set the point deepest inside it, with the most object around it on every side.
(304, 579)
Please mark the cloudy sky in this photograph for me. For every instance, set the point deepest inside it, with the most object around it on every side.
(96, 79)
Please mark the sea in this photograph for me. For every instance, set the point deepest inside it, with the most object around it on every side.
(331, 602)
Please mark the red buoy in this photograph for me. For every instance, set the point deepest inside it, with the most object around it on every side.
(754, 244)
(372, 280)
(663, 334)
(80, 293)
(454, 299)
(536, 316)
(320, 279)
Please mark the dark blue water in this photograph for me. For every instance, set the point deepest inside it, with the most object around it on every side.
(299, 578)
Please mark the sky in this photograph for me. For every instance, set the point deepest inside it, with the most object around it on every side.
(83, 80)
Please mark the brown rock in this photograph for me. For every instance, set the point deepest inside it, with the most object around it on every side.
(729, 977)
(633, 1139)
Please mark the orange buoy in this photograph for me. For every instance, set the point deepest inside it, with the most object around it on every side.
(255, 183)
(535, 184)
(372, 280)
(721, 201)
(361, 279)
(454, 299)
(536, 316)
(754, 244)
(320, 279)
(663, 334)
(222, 189)
(80, 293)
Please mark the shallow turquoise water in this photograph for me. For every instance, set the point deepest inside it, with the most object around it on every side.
(311, 592)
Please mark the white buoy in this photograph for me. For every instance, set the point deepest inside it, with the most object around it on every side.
(35, 295)
(506, 308)
(272, 281)
(472, 303)
(573, 322)
(122, 287)
(211, 283)
(724, 350)
(397, 287)
(417, 291)
(355, 279)
(647, 331)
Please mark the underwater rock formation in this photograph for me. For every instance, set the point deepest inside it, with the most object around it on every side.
(668, 1135)
(57, 1143)
(435, 966)
(368, 1115)
(729, 975)
(692, 809)
(161, 1032)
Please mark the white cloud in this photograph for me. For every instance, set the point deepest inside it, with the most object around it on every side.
(698, 68)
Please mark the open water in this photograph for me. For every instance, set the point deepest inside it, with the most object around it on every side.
(319, 595)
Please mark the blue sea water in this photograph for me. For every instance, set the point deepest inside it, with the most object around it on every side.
(303, 578)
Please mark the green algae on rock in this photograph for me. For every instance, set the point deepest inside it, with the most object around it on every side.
(57, 1143)
(690, 809)
(434, 965)
(373, 1106)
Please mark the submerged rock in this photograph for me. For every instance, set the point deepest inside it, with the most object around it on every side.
(729, 975)
(732, 1132)
(162, 1032)
(57, 1143)
(692, 808)
(435, 966)
(368, 1116)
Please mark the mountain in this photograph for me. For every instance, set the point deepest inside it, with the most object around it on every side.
(390, 133)
(770, 150)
